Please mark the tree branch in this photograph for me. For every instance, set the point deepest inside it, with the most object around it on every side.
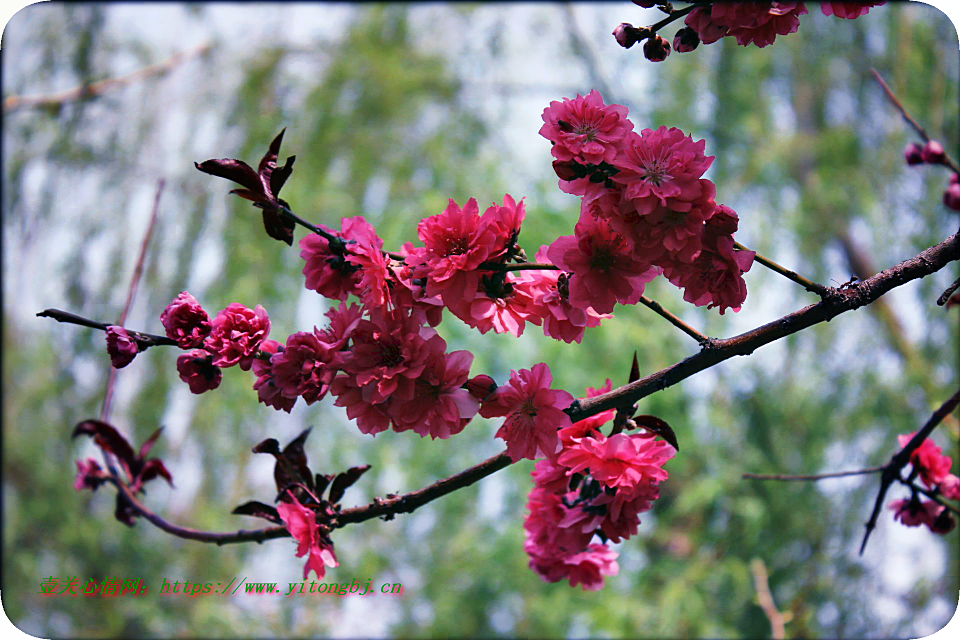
(677, 322)
(813, 477)
(942, 300)
(144, 339)
(809, 285)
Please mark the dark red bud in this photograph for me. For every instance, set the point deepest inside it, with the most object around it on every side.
(944, 523)
(933, 153)
(913, 154)
(686, 40)
(480, 387)
(565, 170)
(656, 49)
(951, 197)
(626, 35)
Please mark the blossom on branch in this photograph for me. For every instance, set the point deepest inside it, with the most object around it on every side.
(301, 522)
(185, 321)
(236, 335)
(121, 346)
(440, 407)
(302, 369)
(196, 368)
(932, 465)
(266, 387)
(327, 269)
(848, 10)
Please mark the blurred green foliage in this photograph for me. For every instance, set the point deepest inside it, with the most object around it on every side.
(386, 123)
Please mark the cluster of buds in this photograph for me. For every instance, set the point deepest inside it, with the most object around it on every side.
(933, 153)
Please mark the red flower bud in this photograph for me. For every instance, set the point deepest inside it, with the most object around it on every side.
(951, 197)
(656, 49)
(564, 170)
(481, 386)
(626, 35)
(686, 40)
(912, 154)
(933, 152)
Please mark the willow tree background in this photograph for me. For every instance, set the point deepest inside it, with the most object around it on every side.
(391, 110)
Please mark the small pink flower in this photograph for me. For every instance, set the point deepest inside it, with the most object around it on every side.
(89, 475)
(591, 566)
(848, 10)
(661, 168)
(185, 321)
(301, 522)
(686, 40)
(534, 412)
(585, 129)
(343, 322)
(620, 461)
(656, 49)
(913, 154)
(373, 278)
(502, 305)
(934, 467)
(236, 335)
(605, 270)
(303, 367)
(708, 31)
(913, 513)
(950, 487)
(585, 427)
(951, 196)
(758, 23)
(933, 152)
(676, 233)
(121, 347)
(440, 407)
(327, 270)
(371, 418)
(505, 221)
(267, 391)
(196, 368)
(715, 278)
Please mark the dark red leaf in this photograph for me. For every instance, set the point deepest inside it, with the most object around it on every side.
(635, 369)
(292, 464)
(279, 176)
(148, 444)
(270, 445)
(108, 439)
(343, 481)
(278, 227)
(659, 427)
(154, 468)
(321, 482)
(234, 170)
(258, 510)
(124, 512)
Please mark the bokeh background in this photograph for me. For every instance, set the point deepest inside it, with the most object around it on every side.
(391, 110)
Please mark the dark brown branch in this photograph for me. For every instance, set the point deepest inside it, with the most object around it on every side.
(942, 300)
(386, 508)
(835, 303)
(809, 285)
(891, 96)
(143, 339)
(900, 459)
(93, 89)
(813, 477)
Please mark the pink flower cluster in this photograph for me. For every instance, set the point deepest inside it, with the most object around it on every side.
(646, 210)
(595, 485)
(933, 469)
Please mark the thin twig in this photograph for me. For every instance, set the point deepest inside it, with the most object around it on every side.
(765, 598)
(704, 341)
(813, 477)
(131, 293)
(900, 459)
(809, 285)
(936, 497)
(143, 339)
(12, 103)
(892, 97)
(942, 300)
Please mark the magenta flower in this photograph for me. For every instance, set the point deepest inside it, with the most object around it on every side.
(121, 347)
(196, 368)
(951, 196)
(934, 467)
(913, 154)
(706, 29)
(303, 367)
(343, 322)
(913, 513)
(456, 242)
(620, 461)
(505, 221)
(686, 40)
(185, 321)
(848, 10)
(585, 129)
(661, 168)
(656, 49)
(502, 305)
(933, 152)
(374, 275)
(715, 278)
(89, 475)
(301, 522)
(758, 23)
(604, 269)
(675, 233)
(236, 335)
(267, 391)
(534, 412)
(371, 418)
(440, 407)
(950, 487)
(327, 270)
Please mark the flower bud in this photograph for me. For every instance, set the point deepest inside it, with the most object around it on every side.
(951, 197)
(565, 170)
(954, 178)
(626, 35)
(933, 152)
(656, 49)
(686, 40)
(944, 522)
(121, 347)
(480, 387)
(912, 154)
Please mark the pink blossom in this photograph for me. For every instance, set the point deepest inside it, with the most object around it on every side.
(327, 270)
(440, 407)
(950, 487)
(676, 233)
(505, 220)
(585, 129)
(933, 152)
(301, 522)
(373, 278)
(661, 168)
(196, 368)
(534, 412)
(503, 303)
(582, 428)
(544, 535)
(708, 31)
(390, 351)
(715, 278)
(934, 467)
(913, 513)
(587, 568)
(121, 347)
(620, 461)
(343, 322)
(605, 270)
(185, 321)
(849, 10)
(456, 242)
(89, 475)
(236, 335)
(550, 476)
(267, 391)
(686, 40)
(758, 23)
(303, 367)
(371, 418)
